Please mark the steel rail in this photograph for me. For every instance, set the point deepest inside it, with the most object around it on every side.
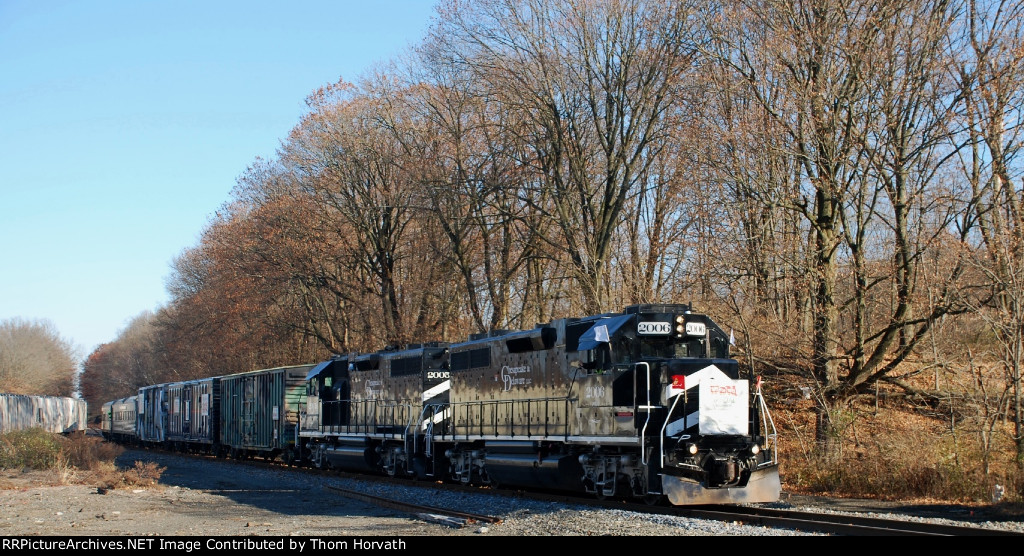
(440, 515)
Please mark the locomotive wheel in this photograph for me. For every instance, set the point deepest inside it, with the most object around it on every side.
(599, 489)
(653, 499)
(321, 463)
(599, 492)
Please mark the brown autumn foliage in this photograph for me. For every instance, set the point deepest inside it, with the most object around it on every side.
(35, 360)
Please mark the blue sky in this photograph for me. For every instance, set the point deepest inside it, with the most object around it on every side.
(125, 123)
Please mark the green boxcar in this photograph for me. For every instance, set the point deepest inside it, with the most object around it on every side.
(259, 411)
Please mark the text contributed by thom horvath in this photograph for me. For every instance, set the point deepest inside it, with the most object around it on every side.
(209, 544)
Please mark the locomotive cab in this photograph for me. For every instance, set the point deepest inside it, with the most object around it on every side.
(327, 390)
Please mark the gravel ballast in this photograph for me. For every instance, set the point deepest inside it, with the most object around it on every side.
(206, 497)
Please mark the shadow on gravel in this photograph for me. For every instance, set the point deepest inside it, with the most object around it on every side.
(288, 492)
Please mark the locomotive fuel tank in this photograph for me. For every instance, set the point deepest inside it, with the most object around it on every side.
(517, 463)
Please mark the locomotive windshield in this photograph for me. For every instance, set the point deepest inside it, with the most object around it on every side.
(670, 348)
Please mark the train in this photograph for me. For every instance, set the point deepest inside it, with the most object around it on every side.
(643, 404)
(244, 415)
(56, 414)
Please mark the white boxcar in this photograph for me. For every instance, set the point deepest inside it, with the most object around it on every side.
(51, 413)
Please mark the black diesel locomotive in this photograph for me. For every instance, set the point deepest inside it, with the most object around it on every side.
(643, 404)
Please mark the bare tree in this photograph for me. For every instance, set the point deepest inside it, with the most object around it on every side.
(235, 304)
(902, 206)
(469, 181)
(990, 71)
(858, 90)
(764, 272)
(342, 155)
(589, 82)
(35, 359)
(298, 256)
(804, 65)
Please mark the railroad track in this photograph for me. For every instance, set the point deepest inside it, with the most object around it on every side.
(813, 522)
(829, 523)
(446, 516)
(825, 522)
(806, 521)
(835, 524)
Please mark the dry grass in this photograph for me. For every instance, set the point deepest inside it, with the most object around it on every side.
(892, 448)
(38, 458)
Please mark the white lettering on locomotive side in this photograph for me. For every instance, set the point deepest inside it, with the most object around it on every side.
(373, 386)
(509, 378)
(442, 375)
(652, 328)
(594, 392)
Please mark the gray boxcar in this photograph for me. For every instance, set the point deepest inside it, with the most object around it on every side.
(151, 420)
(192, 415)
(259, 411)
(51, 413)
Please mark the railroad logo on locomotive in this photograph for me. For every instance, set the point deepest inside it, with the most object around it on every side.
(510, 378)
(373, 387)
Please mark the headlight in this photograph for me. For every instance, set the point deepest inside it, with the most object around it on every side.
(755, 449)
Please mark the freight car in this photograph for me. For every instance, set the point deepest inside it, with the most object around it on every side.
(192, 416)
(242, 415)
(259, 411)
(118, 420)
(151, 417)
(55, 414)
